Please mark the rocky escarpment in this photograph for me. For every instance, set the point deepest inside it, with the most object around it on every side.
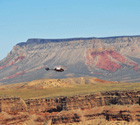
(112, 58)
(110, 106)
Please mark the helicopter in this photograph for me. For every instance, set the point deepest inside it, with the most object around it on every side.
(57, 69)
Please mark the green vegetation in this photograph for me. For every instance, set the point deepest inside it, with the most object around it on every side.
(26, 93)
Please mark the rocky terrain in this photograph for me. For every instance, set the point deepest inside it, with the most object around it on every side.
(83, 94)
(114, 107)
(112, 58)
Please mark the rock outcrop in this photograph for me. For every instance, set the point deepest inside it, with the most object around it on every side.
(110, 106)
(112, 58)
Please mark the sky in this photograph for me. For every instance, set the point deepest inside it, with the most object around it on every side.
(24, 19)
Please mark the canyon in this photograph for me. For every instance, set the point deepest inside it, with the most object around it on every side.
(110, 58)
(100, 84)
(110, 107)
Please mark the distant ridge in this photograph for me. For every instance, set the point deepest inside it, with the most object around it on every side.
(117, 37)
(108, 58)
(39, 40)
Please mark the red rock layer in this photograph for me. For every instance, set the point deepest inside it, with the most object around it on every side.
(12, 62)
(108, 59)
(107, 105)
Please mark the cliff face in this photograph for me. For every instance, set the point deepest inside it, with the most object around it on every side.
(114, 58)
(110, 106)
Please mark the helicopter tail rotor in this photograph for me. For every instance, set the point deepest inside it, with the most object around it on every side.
(47, 68)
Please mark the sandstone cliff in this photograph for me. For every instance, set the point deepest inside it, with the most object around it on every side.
(121, 106)
(112, 58)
